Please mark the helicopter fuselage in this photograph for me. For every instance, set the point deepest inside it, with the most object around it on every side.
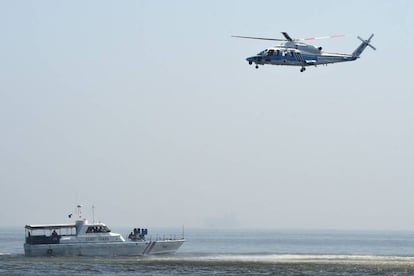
(294, 53)
(297, 54)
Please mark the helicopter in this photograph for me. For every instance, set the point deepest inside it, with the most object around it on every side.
(293, 52)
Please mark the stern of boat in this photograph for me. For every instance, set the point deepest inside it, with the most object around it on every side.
(163, 247)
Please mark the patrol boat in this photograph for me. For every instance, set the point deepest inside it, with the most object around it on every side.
(83, 238)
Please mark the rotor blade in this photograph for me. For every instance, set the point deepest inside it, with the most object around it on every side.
(321, 37)
(261, 38)
(285, 34)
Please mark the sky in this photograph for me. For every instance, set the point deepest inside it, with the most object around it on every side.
(148, 111)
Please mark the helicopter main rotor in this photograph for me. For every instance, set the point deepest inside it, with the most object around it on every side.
(289, 38)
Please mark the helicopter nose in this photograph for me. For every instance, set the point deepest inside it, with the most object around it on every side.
(255, 59)
(251, 59)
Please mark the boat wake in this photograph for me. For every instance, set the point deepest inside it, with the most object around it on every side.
(285, 259)
(208, 264)
(228, 258)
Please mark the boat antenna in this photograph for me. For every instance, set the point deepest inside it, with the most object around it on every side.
(93, 213)
(183, 232)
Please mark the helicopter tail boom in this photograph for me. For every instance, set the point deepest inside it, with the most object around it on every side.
(363, 45)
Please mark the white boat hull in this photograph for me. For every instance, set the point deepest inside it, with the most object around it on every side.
(127, 248)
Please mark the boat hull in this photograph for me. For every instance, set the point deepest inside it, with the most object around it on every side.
(127, 248)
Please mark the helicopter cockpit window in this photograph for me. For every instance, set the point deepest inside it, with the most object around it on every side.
(277, 52)
(261, 53)
(270, 52)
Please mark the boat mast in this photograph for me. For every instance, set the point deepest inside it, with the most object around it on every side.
(79, 211)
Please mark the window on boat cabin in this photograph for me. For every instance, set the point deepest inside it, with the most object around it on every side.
(65, 231)
(98, 229)
(69, 231)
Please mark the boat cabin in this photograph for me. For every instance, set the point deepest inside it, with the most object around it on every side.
(81, 231)
(48, 234)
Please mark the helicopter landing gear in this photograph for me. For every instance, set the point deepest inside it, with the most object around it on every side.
(257, 66)
(250, 62)
(302, 69)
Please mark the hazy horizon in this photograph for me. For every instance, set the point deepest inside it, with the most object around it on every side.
(149, 111)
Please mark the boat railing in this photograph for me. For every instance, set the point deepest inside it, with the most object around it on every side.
(166, 237)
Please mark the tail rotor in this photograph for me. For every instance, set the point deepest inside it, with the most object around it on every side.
(363, 45)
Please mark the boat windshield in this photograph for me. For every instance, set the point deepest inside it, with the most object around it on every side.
(98, 229)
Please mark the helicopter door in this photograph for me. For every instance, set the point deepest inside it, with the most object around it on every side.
(269, 55)
(284, 56)
(299, 57)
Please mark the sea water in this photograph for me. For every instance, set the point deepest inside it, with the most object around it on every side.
(234, 252)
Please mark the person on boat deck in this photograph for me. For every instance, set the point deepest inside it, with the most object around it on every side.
(54, 234)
